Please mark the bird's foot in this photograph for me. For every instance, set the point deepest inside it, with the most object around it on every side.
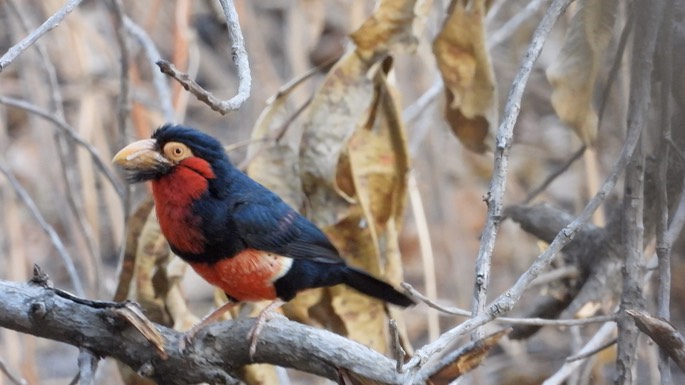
(214, 316)
(267, 314)
(189, 336)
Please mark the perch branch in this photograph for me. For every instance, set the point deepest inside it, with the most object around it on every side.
(217, 353)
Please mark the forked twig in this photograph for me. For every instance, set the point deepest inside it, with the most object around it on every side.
(239, 57)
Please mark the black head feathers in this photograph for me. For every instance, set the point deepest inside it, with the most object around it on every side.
(201, 144)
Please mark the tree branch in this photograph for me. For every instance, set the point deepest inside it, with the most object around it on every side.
(505, 136)
(52, 22)
(239, 57)
(215, 356)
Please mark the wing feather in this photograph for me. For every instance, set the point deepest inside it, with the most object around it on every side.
(276, 227)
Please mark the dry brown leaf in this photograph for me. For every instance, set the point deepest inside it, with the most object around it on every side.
(152, 253)
(368, 183)
(464, 360)
(353, 162)
(275, 165)
(574, 73)
(464, 62)
(389, 29)
(329, 121)
(135, 225)
(133, 315)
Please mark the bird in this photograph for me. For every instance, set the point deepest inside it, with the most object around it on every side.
(235, 233)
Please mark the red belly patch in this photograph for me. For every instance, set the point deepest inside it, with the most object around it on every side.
(248, 276)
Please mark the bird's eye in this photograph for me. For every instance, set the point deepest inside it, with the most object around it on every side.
(176, 151)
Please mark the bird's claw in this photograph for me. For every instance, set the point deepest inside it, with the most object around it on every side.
(187, 339)
(266, 314)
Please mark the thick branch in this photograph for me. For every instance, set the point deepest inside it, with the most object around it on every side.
(215, 355)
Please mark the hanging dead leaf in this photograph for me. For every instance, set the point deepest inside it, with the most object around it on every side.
(454, 365)
(274, 163)
(574, 72)
(135, 225)
(329, 121)
(389, 29)
(366, 178)
(464, 62)
(150, 287)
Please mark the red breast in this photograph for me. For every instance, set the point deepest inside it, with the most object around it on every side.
(174, 195)
(248, 276)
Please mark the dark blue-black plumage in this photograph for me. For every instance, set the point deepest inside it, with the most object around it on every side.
(238, 214)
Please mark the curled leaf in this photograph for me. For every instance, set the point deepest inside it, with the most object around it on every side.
(464, 62)
(388, 29)
(454, 365)
(574, 72)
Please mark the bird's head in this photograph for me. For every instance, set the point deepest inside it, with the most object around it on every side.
(171, 147)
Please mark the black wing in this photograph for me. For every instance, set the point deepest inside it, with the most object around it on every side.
(273, 226)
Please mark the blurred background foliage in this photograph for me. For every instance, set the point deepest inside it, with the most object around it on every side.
(441, 133)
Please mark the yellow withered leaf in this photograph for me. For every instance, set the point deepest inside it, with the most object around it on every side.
(274, 163)
(464, 62)
(574, 72)
(389, 28)
(329, 121)
(455, 364)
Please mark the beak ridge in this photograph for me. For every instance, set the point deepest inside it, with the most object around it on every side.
(143, 160)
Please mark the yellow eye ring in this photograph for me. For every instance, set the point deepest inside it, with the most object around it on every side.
(176, 151)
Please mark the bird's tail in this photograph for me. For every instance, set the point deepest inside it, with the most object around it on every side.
(374, 287)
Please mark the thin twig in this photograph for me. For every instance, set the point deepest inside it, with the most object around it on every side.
(49, 230)
(416, 109)
(556, 275)
(613, 72)
(70, 133)
(398, 352)
(427, 257)
(153, 55)
(592, 352)
(504, 141)
(52, 22)
(509, 28)
(124, 97)
(508, 320)
(597, 341)
(633, 244)
(644, 45)
(553, 176)
(88, 365)
(239, 57)
(663, 246)
(13, 378)
(70, 174)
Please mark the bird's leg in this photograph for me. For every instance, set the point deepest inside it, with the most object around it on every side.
(263, 316)
(206, 320)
